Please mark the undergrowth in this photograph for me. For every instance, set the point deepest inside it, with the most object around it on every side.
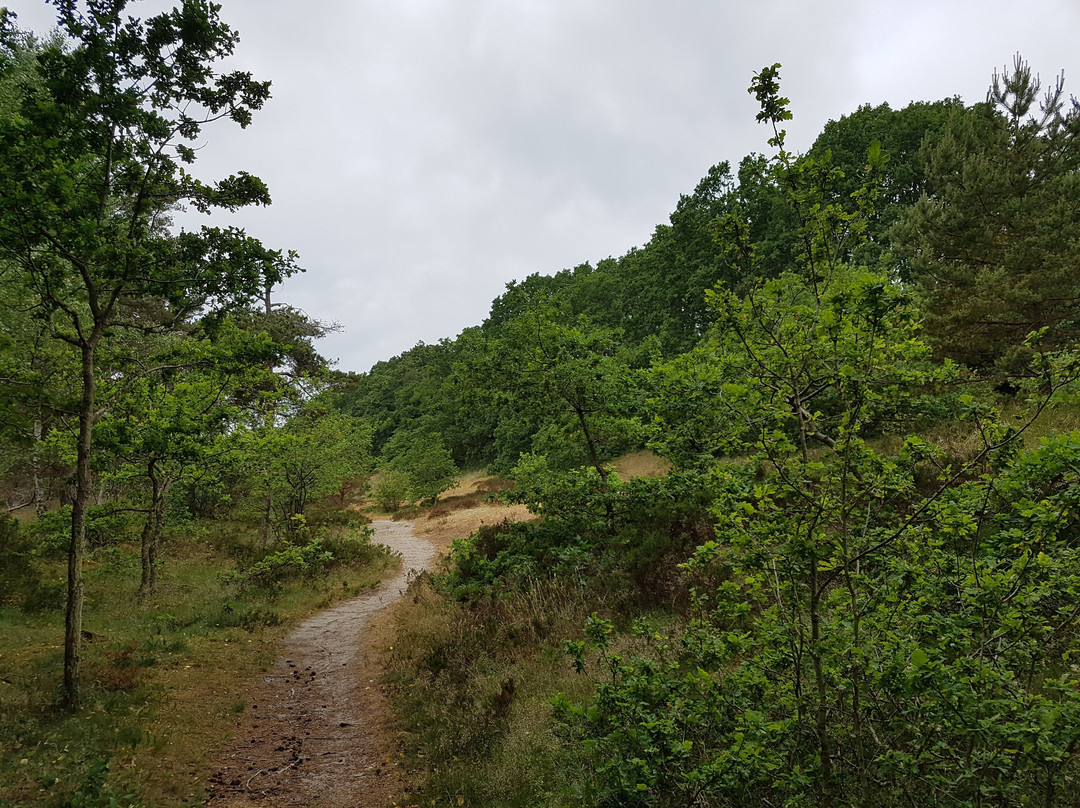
(481, 649)
(472, 683)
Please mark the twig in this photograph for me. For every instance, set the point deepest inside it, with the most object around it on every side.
(264, 771)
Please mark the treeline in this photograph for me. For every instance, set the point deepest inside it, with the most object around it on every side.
(482, 392)
(856, 585)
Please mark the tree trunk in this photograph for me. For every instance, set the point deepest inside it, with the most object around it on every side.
(77, 546)
(267, 517)
(822, 712)
(590, 444)
(150, 532)
(40, 500)
(594, 457)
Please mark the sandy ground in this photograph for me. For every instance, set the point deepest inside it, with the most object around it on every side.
(315, 733)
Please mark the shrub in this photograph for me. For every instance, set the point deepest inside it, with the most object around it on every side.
(291, 560)
(391, 489)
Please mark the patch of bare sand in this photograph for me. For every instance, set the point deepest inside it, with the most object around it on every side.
(444, 524)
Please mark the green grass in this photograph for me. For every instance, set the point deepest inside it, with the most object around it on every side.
(162, 680)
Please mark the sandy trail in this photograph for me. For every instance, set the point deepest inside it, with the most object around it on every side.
(315, 731)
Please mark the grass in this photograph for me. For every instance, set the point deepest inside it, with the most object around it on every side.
(472, 687)
(163, 681)
(643, 463)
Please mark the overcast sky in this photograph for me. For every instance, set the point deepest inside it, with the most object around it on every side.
(423, 153)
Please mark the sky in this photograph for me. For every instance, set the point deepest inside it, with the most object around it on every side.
(422, 154)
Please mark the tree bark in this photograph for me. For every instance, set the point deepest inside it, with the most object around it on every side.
(822, 711)
(151, 531)
(77, 546)
(41, 503)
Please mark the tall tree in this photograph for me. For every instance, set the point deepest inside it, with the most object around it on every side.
(994, 243)
(901, 134)
(91, 167)
(566, 377)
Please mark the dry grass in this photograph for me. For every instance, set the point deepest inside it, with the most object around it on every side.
(476, 483)
(463, 509)
(442, 526)
(643, 463)
(472, 687)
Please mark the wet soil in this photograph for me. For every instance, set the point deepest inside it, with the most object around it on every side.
(315, 732)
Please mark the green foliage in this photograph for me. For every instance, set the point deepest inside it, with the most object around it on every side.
(579, 496)
(900, 134)
(97, 793)
(105, 525)
(867, 628)
(302, 558)
(925, 651)
(22, 582)
(309, 457)
(620, 530)
(428, 466)
(92, 163)
(469, 681)
(508, 556)
(566, 379)
(390, 489)
(993, 244)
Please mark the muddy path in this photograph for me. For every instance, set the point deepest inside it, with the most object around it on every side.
(314, 733)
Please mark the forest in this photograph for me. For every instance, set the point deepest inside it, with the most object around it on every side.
(846, 572)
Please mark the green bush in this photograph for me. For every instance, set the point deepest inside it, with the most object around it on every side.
(105, 525)
(290, 561)
(354, 546)
(391, 489)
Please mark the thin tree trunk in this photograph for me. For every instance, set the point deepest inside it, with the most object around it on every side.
(594, 457)
(41, 503)
(150, 531)
(267, 515)
(590, 444)
(268, 416)
(822, 712)
(77, 546)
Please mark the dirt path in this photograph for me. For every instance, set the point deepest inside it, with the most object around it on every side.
(315, 734)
